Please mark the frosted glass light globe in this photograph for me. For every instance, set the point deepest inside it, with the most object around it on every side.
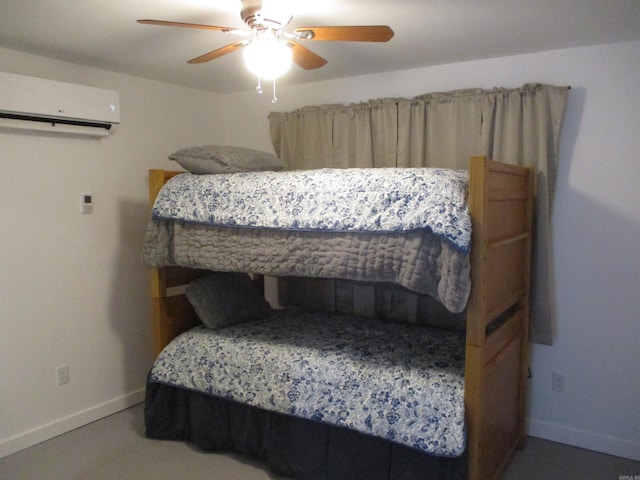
(267, 57)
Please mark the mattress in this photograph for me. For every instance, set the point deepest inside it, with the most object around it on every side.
(400, 383)
(337, 200)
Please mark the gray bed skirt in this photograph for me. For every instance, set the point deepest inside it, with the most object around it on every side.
(291, 447)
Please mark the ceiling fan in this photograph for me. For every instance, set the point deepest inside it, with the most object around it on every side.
(270, 49)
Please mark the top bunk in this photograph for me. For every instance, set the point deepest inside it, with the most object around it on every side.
(409, 227)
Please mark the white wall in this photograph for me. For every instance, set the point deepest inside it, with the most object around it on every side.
(72, 287)
(596, 225)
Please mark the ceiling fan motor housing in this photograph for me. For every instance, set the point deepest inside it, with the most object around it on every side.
(257, 18)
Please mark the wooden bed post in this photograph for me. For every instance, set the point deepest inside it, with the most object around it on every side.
(157, 278)
(500, 201)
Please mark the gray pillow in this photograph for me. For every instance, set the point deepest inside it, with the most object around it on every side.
(209, 159)
(223, 299)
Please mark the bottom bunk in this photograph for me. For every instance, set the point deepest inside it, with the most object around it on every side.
(316, 395)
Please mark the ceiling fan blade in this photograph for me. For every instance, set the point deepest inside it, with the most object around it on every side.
(207, 57)
(305, 58)
(363, 33)
(165, 23)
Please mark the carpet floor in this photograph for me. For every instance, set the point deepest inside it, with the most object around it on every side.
(115, 448)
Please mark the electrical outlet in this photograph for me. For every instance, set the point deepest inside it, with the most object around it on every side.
(63, 374)
(557, 382)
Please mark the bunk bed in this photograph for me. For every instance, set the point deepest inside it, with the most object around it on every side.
(488, 362)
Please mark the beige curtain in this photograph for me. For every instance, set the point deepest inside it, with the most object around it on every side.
(340, 136)
(523, 126)
(442, 129)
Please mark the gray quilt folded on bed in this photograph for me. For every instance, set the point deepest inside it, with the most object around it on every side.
(417, 260)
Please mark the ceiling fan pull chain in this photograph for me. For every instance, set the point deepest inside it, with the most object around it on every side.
(259, 87)
(274, 99)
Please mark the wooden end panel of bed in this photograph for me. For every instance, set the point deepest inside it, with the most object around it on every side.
(171, 316)
(500, 201)
(157, 178)
(171, 312)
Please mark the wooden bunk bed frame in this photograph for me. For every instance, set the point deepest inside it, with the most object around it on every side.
(497, 354)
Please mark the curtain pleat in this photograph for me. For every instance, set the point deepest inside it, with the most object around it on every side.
(443, 129)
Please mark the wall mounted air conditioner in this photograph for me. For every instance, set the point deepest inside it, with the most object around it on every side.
(31, 103)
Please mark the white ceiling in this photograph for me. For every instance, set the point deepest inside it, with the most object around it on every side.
(105, 34)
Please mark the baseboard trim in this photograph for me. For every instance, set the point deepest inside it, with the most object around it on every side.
(547, 431)
(582, 439)
(71, 422)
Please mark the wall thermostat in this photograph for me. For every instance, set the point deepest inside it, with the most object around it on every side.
(87, 203)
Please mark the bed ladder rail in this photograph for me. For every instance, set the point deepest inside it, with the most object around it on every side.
(500, 201)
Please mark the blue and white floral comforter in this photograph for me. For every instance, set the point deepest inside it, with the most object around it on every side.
(336, 200)
(393, 381)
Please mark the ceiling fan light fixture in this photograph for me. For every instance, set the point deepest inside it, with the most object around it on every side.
(271, 51)
(267, 56)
